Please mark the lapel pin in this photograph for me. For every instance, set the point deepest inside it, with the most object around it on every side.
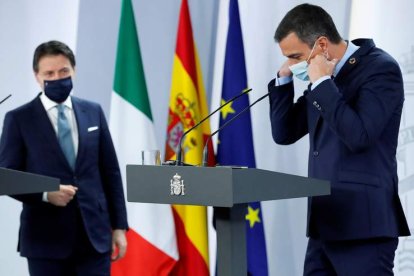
(352, 60)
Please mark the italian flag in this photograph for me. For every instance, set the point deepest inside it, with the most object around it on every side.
(152, 246)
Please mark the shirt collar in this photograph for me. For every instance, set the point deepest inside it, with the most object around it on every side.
(350, 50)
(49, 104)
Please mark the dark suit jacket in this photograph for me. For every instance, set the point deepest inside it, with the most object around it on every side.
(353, 123)
(29, 143)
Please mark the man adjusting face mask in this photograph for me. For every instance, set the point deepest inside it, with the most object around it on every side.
(300, 69)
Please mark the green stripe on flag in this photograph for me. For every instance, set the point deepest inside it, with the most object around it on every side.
(129, 80)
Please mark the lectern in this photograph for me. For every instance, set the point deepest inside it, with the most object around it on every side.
(15, 182)
(226, 188)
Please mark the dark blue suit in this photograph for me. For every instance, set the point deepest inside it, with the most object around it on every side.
(29, 144)
(353, 123)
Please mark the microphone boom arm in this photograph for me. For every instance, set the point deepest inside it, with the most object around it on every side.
(5, 99)
(205, 150)
(179, 150)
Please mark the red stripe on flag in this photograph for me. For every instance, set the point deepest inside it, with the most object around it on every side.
(185, 43)
(211, 160)
(142, 258)
(190, 263)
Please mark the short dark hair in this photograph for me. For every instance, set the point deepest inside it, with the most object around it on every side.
(308, 22)
(52, 48)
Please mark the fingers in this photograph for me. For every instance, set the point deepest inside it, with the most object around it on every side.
(284, 70)
(319, 66)
(334, 61)
(119, 244)
(68, 189)
(115, 253)
(59, 198)
(62, 197)
(318, 59)
(122, 250)
(118, 252)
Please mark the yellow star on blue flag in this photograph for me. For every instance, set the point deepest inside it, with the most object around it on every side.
(226, 110)
(252, 216)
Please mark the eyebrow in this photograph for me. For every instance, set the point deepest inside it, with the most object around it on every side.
(294, 55)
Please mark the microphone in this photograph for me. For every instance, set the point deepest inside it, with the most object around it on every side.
(178, 159)
(2, 101)
(205, 150)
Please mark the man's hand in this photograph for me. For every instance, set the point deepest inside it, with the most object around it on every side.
(284, 71)
(119, 244)
(320, 66)
(63, 196)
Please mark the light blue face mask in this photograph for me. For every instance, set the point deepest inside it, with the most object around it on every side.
(300, 69)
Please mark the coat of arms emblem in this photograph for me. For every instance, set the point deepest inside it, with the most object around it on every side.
(177, 185)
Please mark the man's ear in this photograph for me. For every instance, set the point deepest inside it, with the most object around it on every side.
(74, 73)
(38, 79)
(323, 43)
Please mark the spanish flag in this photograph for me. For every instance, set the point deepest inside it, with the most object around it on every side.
(188, 106)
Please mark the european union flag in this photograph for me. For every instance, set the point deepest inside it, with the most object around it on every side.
(235, 146)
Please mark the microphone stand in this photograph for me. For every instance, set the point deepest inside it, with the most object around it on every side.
(178, 161)
(2, 101)
(205, 150)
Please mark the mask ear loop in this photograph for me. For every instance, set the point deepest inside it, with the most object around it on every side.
(326, 55)
(313, 48)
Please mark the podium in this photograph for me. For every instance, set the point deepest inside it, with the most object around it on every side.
(15, 182)
(225, 188)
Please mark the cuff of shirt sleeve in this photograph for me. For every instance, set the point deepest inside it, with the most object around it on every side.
(44, 197)
(282, 80)
(317, 82)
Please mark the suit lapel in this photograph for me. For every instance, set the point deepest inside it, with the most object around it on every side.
(345, 74)
(80, 112)
(42, 122)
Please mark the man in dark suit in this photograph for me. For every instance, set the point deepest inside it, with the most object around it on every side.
(351, 111)
(80, 228)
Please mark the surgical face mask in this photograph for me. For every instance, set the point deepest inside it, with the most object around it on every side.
(300, 69)
(58, 90)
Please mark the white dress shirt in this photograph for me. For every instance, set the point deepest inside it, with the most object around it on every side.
(52, 112)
